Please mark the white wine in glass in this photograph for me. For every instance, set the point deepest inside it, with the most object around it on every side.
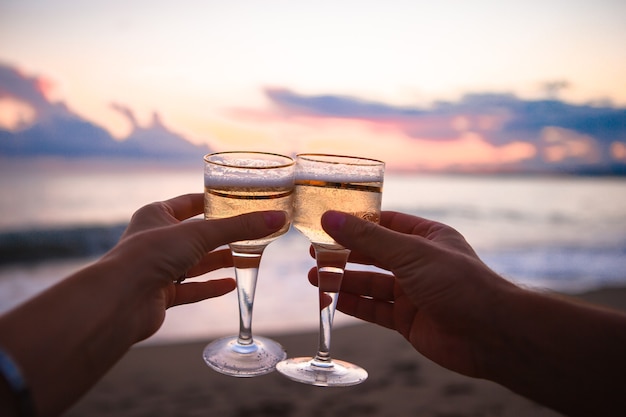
(331, 182)
(237, 183)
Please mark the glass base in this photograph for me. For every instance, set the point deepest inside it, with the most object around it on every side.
(228, 357)
(335, 374)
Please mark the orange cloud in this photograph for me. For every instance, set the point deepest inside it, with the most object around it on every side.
(560, 144)
(384, 140)
(469, 151)
(15, 114)
(618, 151)
(45, 86)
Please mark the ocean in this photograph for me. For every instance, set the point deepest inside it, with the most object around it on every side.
(558, 233)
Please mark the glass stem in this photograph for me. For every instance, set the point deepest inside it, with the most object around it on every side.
(246, 272)
(330, 269)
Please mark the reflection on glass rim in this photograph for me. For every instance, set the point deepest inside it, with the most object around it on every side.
(340, 159)
(222, 159)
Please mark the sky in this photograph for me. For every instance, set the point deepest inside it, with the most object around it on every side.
(421, 85)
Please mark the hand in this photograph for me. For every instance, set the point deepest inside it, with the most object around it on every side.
(106, 307)
(158, 248)
(438, 295)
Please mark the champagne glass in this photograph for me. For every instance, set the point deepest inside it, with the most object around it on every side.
(331, 182)
(237, 183)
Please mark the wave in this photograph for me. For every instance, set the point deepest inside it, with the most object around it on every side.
(37, 245)
(470, 212)
(567, 267)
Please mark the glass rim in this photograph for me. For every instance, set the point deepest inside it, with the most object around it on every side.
(311, 157)
(291, 161)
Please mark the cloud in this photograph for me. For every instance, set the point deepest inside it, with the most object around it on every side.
(156, 140)
(553, 88)
(56, 131)
(512, 118)
(479, 131)
(27, 89)
(338, 106)
(126, 112)
(563, 133)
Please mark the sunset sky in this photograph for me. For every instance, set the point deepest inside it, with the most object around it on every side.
(419, 84)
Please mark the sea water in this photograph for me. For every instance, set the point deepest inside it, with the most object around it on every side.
(558, 233)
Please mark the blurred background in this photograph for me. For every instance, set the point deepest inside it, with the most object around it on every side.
(506, 120)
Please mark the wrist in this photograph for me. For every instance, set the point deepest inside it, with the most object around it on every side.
(118, 294)
(138, 297)
(495, 338)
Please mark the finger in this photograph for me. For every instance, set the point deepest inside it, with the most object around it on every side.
(313, 276)
(359, 258)
(212, 261)
(192, 292)
(217, 232)
(185, 206)
(440, 233)
(371, 284)
(354, 257)
(370, 239)
(365, 295)
(368, 309)
(164, 213)
(403, 223)
(400, 222)
(364, 283)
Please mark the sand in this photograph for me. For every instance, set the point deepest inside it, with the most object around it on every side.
(172, 380)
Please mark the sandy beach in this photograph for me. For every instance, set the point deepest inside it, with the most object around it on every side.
(172, 380)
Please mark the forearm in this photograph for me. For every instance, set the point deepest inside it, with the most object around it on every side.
(65, 339)
(559, 352)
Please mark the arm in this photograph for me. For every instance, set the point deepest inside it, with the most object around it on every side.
(560, 352)
(459, 313)
(66, 338)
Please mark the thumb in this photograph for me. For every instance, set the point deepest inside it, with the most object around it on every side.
(217, 232)
(383, 245)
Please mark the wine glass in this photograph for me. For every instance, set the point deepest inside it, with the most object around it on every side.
(237, 183)
(342, 183)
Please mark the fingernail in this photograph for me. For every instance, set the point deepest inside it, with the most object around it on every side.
(334, 220)
(274, 219)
